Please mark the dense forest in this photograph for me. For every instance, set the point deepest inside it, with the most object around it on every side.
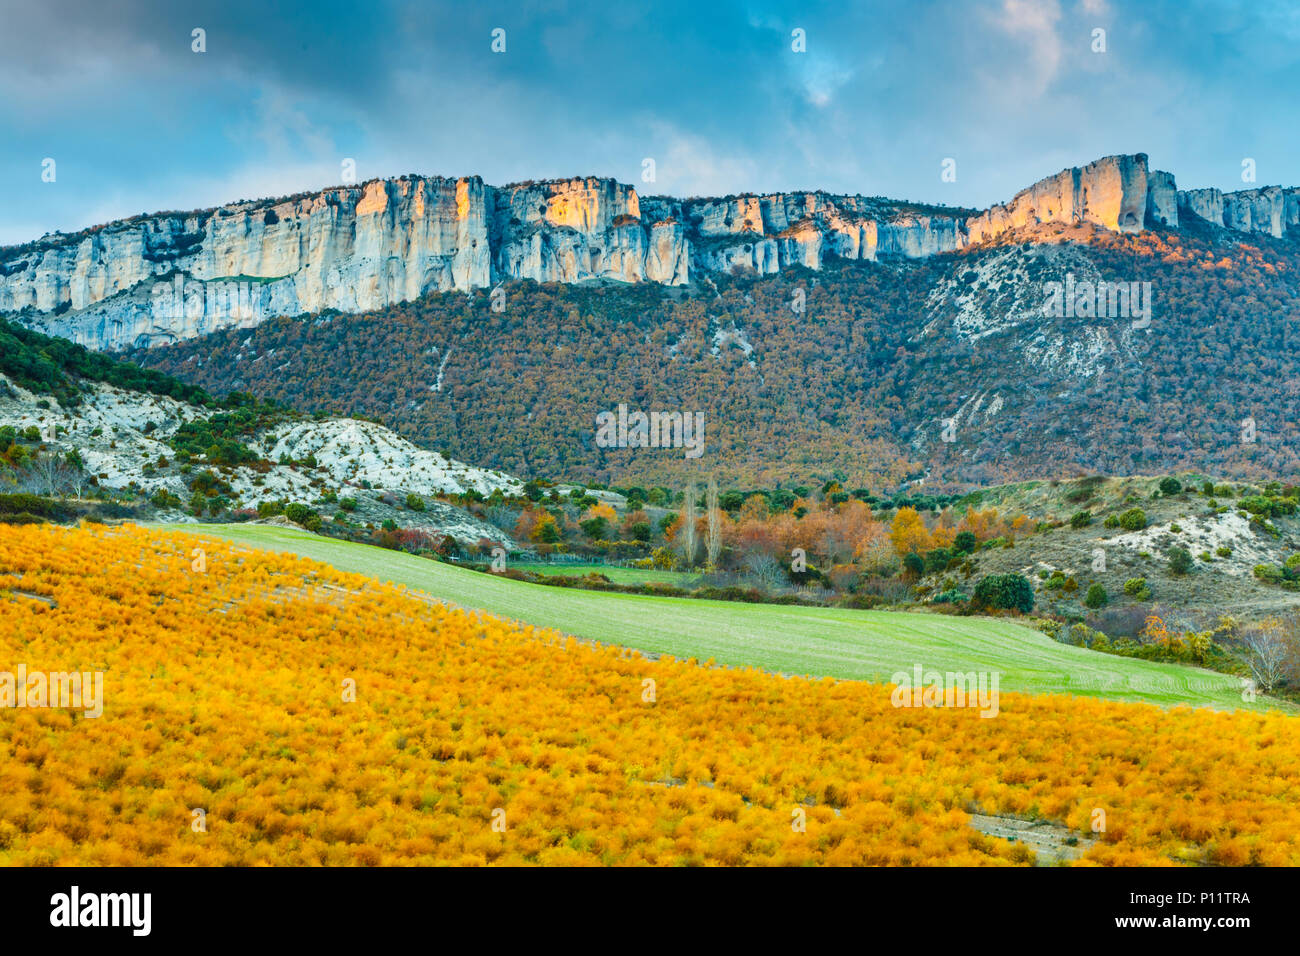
(847, 374)
(53, 366)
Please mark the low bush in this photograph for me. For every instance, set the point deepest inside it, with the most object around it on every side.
(298, 513)
(1137, 587)
(1005, 592)
(1135, 519)
(36, 505)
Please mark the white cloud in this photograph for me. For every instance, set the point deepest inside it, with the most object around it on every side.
(821, 79)
(1034, 23)
(285, 129)
(690, 165)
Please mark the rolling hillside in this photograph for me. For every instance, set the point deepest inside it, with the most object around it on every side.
(862, 645)
(948, 369)
(265, 709)
(75, 422)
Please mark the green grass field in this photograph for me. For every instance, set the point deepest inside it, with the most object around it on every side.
(616, 574)
(832, 642)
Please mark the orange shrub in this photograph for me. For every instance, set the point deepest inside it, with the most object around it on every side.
(320, 718)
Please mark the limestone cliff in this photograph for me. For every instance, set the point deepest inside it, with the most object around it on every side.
(1206, 203)
(345, 248)
(1162, 199)
(157, 279)
(773, 232)
(1272, 210)
(1111, 193)
(160, 278)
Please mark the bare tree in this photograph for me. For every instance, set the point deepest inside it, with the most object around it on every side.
(688, 525)
(48, 474)
(714, 543)
(1267, 653)
(503, 517)
(765, 572)
(80, 479)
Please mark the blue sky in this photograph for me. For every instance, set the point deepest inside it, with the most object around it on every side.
(712, 91)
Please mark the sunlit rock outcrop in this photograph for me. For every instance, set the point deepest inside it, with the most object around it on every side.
(1110, 192)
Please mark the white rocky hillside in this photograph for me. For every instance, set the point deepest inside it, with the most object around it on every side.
(353, 451)
(122, 436)
(1207, 534)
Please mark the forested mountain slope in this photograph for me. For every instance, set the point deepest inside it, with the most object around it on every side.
(854, 371)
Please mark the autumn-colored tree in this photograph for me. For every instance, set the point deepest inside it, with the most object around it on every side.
(545, 531)
(873, 548)
(908, 532)
(526, 523)
(844, 528)
(942, 537)
(1154, 630)
(754, 533)
(984, 524)
(602, 510)
(753, 510)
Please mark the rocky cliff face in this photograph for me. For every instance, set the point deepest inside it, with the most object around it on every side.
(1272, 210)
(157, 279)
(1111, 193)
(1162, 199)
(165, 277)
(770, 233)
(578, 229)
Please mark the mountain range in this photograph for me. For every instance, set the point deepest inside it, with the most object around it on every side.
(157, 279)
(873, 341)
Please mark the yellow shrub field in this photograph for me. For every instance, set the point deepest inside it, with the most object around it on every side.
(472, 740)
